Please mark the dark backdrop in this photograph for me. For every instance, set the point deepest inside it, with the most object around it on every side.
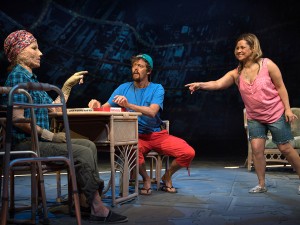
(188, 40)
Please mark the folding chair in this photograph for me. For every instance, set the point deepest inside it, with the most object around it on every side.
(35, 161)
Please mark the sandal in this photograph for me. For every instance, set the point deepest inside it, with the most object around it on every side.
(258, 189)
(145, 191)
(111, 218)
(168, 189)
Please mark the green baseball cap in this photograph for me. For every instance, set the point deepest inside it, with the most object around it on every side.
(147, 58)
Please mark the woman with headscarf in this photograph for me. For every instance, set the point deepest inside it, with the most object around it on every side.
(22, 51)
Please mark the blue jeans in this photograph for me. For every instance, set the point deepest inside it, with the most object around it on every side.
(280, 130)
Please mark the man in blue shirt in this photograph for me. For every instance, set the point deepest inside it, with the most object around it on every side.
(147, 97)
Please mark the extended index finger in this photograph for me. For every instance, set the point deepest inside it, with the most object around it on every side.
(82, 72)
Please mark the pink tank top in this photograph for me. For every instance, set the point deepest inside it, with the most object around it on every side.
(261, 98)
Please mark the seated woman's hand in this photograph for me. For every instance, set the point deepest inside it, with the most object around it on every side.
(94, 104)
(76, 78)
(59, 137)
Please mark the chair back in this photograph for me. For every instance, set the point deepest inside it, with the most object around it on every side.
(295, 125)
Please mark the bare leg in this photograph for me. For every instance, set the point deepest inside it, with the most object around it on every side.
(259, 161)
(167, 177)
(146, 179)
(291, 155)
(101, 214)
(98, 208)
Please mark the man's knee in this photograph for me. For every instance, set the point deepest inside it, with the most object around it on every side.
(190, 152)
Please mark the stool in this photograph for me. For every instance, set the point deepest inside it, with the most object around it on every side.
(156, 161)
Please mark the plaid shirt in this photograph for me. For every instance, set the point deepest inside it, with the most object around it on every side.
(21, 75)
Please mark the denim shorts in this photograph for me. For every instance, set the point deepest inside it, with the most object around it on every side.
(280, 130)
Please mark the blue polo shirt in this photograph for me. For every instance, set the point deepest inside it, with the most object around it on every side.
(152, 94)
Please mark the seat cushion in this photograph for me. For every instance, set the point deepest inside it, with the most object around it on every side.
(295, 125)
(295, 143)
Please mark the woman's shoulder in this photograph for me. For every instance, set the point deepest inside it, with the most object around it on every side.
(234, 73)
(14, 77)
(267, 63)
(18, 72)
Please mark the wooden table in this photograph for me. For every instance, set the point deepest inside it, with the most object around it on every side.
(116, 132)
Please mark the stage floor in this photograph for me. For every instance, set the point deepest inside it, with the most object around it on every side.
(216, 192)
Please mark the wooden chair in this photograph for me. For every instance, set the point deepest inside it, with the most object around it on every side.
(34, 162)
(157, 160)
(272, 153)
(156, 163)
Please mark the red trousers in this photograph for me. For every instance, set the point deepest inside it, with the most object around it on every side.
(164, 143)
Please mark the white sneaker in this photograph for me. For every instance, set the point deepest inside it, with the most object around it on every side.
(299, 190)
(258, 189)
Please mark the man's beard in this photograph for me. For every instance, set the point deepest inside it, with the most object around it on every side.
(136, 78)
